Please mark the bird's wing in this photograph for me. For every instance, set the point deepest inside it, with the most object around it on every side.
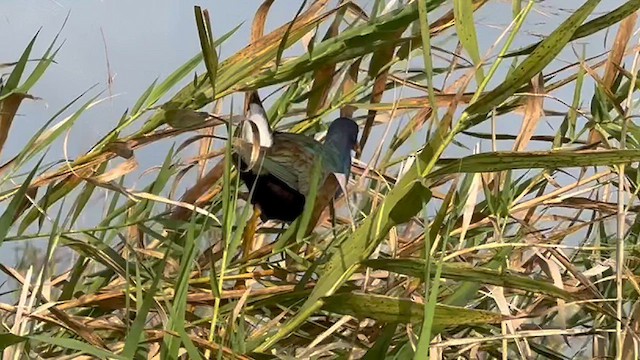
(291, 159)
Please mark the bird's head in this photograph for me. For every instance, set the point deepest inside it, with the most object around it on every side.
(342, 137)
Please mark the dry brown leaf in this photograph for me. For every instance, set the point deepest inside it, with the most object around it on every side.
(75, 326)
(625, 31)
(512, 326)
(8, 108)
(350, 79)
(206, 142)
(594, 135)
(122, 169)
(379, 69)
(470, 205)
(121, 148)
(630, 345)
(415, 124)
(267, 43)
(323, 77)
(355, 11)
(533, 110)
(442, 24)
(257, 28)
(201, 192)
(420, 102)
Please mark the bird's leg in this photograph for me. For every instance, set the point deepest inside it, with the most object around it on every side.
(248, 237)
(250, 232)
(311, 245)
(342, 182)
(352, 218)
(333, 216)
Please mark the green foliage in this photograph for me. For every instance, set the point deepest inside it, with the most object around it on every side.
(442, 257)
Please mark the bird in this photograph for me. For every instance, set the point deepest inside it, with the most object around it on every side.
(281, 173)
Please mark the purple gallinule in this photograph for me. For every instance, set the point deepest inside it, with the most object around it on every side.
(281, 174)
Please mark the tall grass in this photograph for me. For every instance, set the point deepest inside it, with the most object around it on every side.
(455, 250)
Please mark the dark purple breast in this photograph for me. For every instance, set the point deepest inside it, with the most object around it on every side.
(276, 200)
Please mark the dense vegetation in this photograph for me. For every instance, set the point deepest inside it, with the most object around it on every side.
(451, 250)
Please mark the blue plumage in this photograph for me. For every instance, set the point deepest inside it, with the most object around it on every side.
(281, 174)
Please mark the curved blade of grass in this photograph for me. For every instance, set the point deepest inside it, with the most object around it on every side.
(592, 26)
(54, 194)
(43, 63)
(8, 108)
(142, 100)
(466, 29)
(534, 63)
(14, 78)
(285, 36)
(11, 94)
(100, 253)
(179, 74)
(41, 139)
(178, 305)
(382, 344)
(396, 310)
(45, 139)
(19, 198)
(323, 76)
(509, 160)
(155, 95)
(462, 272)
(207, 45)
(77, 345)
(136, 332)
(85, 195)
(9, 339)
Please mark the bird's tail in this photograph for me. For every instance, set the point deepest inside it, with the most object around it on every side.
(257, 115)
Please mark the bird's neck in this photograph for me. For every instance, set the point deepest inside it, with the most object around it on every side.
(341, 154)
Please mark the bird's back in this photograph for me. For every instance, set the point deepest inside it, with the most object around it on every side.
(290, 159)
(280, 176)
